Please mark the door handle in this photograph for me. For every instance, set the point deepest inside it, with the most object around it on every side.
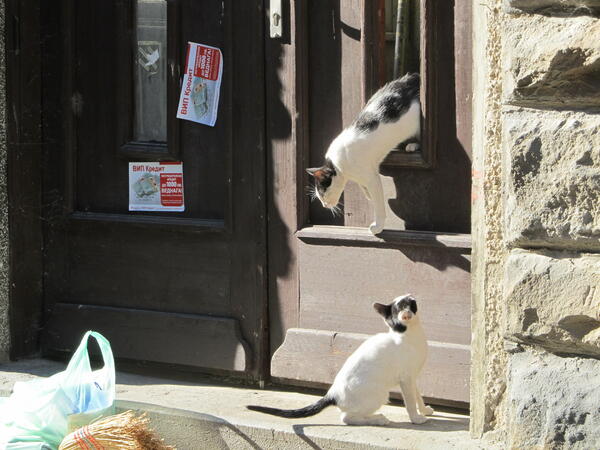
(275, 19)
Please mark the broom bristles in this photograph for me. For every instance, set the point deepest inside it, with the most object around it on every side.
(121, 431)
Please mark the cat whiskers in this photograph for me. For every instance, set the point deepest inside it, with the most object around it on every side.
(312, 192)
(336, 211)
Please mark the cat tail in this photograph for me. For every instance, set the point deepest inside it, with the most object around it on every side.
(307, 411)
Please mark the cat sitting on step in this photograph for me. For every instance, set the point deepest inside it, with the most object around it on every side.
(382, 362)
(392, 116)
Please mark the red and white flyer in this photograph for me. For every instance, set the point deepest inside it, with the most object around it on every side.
(199, 100)
(156, 186)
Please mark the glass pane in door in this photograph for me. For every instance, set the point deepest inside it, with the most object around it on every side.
(150, 71)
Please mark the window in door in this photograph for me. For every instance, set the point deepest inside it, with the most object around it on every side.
(425, 190)
(150, 71)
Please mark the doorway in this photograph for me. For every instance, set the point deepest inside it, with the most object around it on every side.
(330, 60)
(180, 288)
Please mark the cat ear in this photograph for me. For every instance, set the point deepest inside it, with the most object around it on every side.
(316, 172)
(383, 310)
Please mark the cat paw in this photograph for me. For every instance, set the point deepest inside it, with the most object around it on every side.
(379, 420)
(418, 420)
(428, 411)
(374, 420)
(412, 147)
(375, 228)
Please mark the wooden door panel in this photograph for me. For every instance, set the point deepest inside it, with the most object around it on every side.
(338, 292)
(445, 377)
(184, 288)
(103, 81)
(182, 273)
(343, 271)
(193, 339)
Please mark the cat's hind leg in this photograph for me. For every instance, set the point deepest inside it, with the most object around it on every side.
(361, 419)
(375, 190)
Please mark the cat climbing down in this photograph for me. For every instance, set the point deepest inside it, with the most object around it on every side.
(383, 361)
(391, 116)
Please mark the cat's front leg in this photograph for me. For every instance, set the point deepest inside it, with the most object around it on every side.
(409, 394)
(421, 406)
(375, 190)
(365, 191)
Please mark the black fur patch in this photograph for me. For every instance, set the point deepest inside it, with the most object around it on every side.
(307, 411)
(323, 183)
(366, 122)
(389, 103)
(408, 303)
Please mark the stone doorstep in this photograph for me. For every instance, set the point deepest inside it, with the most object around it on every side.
(207, 415)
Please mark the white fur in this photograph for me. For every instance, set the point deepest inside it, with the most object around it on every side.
(382, 362)
(357, 157)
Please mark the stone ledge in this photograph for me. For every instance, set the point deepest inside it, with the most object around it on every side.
(200, 414)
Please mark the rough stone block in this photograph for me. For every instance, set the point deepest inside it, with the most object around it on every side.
(552, 61)
(553, 301)
(556, 6)
(553, 171)
(553, 402)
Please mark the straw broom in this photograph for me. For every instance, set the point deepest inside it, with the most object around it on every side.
(122, 431)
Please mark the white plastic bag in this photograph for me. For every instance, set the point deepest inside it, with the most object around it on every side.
(38, 413)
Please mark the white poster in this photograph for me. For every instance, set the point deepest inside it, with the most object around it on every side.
(199, 100)
(156, 186)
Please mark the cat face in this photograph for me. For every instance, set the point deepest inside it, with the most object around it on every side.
(329, 184)
(398, 314)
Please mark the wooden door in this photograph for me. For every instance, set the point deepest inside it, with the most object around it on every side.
(185, 288)
(325, 271)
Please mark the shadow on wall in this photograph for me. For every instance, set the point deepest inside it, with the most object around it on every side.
(569, 80)
(325, 101)
(279, 129)
(438, 199)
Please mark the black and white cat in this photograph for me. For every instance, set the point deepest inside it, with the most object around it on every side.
(383, 361)
(392, 116)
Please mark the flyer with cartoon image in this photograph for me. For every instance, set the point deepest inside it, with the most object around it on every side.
(199, 100)
(156, 186)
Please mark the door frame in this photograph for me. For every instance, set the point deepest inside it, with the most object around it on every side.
(24, 165)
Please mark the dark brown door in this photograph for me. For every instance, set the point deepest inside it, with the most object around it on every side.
(182, 288)
(332, 270)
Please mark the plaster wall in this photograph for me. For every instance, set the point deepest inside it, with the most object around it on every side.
(488, 359)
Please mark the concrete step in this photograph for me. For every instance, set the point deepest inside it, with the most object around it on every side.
(205, 414)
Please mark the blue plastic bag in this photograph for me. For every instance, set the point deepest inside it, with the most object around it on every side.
(38, 413)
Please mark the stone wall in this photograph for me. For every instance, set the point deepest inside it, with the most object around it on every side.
(4, 287)
(547, 310)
